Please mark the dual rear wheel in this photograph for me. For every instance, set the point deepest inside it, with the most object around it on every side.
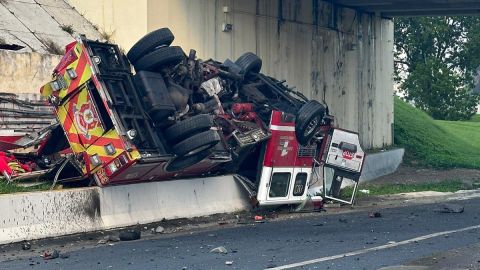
(192, 141)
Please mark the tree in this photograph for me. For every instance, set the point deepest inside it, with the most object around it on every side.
(435, 61)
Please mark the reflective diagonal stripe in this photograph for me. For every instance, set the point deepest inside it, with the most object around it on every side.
(62, 115)
(116, 142)
(79, 70)
(67, 124)
(76, 147)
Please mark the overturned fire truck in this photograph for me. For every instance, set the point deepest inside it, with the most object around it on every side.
(157, 114)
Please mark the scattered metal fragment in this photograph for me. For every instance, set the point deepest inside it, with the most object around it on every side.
(220, 249)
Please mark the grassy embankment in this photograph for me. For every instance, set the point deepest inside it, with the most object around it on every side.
(435, 143)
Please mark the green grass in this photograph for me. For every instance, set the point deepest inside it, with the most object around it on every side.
(6, 188)
(475, 118)
(387, 189)
(433, 143)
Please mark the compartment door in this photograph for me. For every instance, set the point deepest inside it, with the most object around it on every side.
(84, 118)
(343, 164)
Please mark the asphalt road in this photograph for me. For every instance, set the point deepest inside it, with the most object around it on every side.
(322, 241)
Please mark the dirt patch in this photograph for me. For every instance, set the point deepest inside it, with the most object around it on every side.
(413, 175)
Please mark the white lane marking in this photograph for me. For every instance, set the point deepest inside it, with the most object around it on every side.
(363, 251)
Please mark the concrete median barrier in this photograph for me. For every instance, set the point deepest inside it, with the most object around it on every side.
(35, 215)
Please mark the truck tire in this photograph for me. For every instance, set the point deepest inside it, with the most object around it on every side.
(308, 118)
(186, 128)
(196, 143)
(148, 43)
(180, 163)
(250, 63)
(160, 57)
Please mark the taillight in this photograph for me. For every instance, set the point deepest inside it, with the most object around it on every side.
(116, 164)
(123, 159)
(111, 168)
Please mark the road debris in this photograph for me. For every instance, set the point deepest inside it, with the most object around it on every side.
(223, 221)
(449, 208)
(228, 262)
(26, 245)
(220, 249)
(375, 215)
(108, 239)
(64, 256)
(130, 235)
(50, 256)
(343, 220)
(159, 229)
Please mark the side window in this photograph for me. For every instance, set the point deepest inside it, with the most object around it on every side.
(279, 185)
(299, 186)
